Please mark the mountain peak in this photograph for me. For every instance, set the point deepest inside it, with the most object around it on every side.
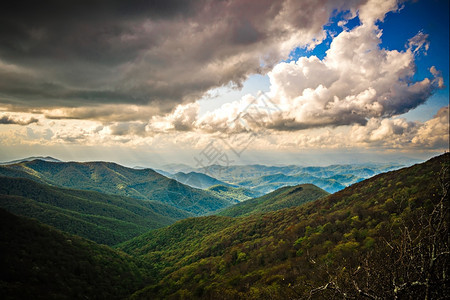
(31, 158)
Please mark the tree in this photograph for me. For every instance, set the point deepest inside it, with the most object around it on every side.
(411, 261)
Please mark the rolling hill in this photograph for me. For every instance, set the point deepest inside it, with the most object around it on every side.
(111, 178)
(282, 198)
(105, 219)
(383, 238)
(40, 262)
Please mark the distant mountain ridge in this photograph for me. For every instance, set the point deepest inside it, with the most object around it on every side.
(265, 179)
(31, 158)
(111, 178)
(262, 179)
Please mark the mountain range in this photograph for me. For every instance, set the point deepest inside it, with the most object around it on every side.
(370, 240)
(384, 237)
(263, 179)
(114, 179)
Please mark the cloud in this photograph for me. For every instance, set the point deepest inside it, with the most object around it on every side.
(127, 128)
(157, 53)
(419, 42)
(399, 133)
(104, 113)
(372, 11)
(356, 81)
(135, 72)
(7, 119)
(435, 132)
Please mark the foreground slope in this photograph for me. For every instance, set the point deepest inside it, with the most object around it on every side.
(103, 218)
(39, 262)
(385, 237)
(282, 198)
(111, 178)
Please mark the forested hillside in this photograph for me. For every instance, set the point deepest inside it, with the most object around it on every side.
(105, 219)
(40, 262)
(282, 198)
(235, 194)
(383, 238)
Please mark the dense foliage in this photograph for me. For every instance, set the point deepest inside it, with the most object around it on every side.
(383, 238)
(39, 262)
(105, 219)
(233, 194)
(281, 198)
(111, 178)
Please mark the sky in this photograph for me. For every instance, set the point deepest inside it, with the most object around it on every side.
(229, 82)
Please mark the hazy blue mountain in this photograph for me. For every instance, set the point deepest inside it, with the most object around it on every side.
(233, 174)
(175, 168)
(115, 179)
(265, 179)
(103, 218)
(268, 183)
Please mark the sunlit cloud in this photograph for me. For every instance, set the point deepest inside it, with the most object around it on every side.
(355, 82)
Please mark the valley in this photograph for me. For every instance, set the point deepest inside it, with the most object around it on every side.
(295, 242)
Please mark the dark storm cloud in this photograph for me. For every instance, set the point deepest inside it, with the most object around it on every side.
(6, 119)
(71, 50)
(84, 53)
(290, 124)
(60, 30)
